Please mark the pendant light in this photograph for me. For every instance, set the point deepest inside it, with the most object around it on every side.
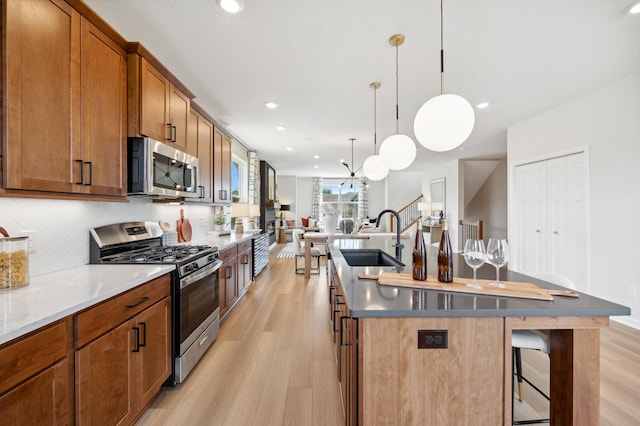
(397, 151)
(352, 172)
(373, 167)
(445, 121)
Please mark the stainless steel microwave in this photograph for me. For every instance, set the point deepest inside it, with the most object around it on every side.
(158, 170)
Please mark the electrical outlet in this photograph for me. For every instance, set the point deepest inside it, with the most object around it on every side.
(631, 292)
(433, 339)
(31, 233)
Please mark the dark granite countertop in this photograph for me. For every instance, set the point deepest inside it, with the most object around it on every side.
(366, 298)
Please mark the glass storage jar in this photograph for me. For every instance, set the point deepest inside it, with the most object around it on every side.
(14, 262)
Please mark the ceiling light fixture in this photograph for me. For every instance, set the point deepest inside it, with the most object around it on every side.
(482, 105)
(231, 6)
(635, 8)
(444, 121)
(397, 151)
(352, 173)
(374, 167)
(281, 128)
(271, 105)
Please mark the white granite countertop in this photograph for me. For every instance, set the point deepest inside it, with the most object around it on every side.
(53, 296)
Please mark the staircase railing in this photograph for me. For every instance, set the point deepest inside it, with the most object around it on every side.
(409, 215)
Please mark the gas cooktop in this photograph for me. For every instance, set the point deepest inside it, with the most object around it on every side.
(161, 254)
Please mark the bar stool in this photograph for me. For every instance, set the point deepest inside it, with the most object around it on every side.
(538, 340)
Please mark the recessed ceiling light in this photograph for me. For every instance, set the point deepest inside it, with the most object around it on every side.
(281, 128)
(231, 6)
(271, 105)
(315, 166)
(635, 8)
(289, 148)
(482, 105)
(316, 156)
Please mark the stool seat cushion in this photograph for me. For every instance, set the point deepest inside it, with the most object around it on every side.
(530, 339)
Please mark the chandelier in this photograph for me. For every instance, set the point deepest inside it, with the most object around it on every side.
(352, 173)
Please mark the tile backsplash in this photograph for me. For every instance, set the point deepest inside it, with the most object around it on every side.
(59, 229)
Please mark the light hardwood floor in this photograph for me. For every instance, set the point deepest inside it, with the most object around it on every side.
(273, 364)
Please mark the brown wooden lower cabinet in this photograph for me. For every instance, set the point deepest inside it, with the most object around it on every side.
(122, 370)
(245, 266)
(227, 279)
(36, 382)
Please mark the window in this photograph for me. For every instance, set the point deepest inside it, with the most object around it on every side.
(345, 199)
(239, 177)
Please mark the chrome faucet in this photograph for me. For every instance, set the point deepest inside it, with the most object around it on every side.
(397, 245)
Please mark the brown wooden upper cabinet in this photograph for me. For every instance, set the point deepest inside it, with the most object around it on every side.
(221, 167)
(200, 134)
(66, 92)
(159, 106)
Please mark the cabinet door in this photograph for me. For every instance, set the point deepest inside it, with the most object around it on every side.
(221, 168)
(105, 378)
(41, 400)
(153, 362)
(205, 158)
(245, 266)
(42, 95)
(192, 132)
(231, 282)
(154, 103)
(222, 290)
(201, 135)
(104, 97)
(179, 108)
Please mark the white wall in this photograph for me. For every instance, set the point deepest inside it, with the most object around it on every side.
(607, 123)
(62, 227)
(490, 204)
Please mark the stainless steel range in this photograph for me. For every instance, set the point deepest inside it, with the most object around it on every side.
(194, 284)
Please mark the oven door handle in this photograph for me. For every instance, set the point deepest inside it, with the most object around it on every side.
(206, 271)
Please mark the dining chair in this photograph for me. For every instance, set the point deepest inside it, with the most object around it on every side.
(298, 250)
(538, 340)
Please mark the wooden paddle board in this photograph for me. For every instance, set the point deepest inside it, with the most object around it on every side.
(513, 289)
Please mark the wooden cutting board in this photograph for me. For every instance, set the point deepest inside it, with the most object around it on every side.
(184, 228)
(513, 289)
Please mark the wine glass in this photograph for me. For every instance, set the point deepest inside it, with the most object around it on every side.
(474, 255)
(498, 256)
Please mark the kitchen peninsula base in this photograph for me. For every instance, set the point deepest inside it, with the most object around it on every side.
(470, 381)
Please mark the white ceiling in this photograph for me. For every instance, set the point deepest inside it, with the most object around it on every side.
(317, 59)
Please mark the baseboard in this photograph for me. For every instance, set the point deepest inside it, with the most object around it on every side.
(633, 323)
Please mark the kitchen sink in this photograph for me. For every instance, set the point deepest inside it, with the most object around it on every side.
(369, 257)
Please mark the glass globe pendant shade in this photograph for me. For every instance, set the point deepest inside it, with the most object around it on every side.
(374, 168)
(444, 122)
(398, 151)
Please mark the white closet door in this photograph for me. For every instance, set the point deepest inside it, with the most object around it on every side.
(551, 212)
(556, 216)
(531, 213)
(575, 267)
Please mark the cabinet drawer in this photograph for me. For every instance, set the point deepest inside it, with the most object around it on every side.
(29, 355)
(101, 318)
(244, 246)
(228, 254)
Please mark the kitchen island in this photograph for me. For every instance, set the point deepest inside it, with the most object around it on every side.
(385, 378)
